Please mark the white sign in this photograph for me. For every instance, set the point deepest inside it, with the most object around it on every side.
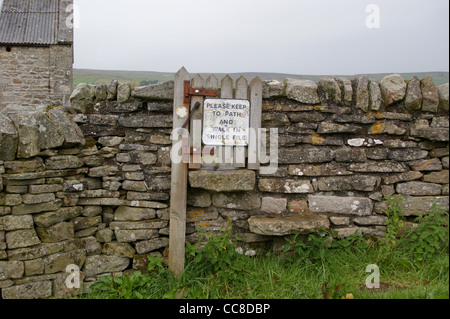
(226, 122)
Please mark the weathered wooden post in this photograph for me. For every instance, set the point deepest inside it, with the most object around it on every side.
(178, 186)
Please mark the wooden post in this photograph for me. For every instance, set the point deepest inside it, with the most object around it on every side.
(178, 188)
(196, 126)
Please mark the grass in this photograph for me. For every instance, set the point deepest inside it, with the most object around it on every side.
(271, 277)
(106, 76)
(317, 267)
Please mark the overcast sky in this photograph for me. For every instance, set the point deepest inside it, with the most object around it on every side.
(283, 36)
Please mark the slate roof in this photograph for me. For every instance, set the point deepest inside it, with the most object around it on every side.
(33, 22)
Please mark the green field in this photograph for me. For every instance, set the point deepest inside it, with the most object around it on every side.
(135, 77)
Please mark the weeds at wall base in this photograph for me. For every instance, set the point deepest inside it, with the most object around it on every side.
(321, 268)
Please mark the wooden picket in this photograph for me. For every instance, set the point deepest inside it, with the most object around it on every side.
(242, 94)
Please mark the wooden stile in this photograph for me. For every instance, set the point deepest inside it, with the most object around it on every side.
(225, 156)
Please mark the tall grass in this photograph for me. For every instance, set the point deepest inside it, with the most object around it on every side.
(320, 267)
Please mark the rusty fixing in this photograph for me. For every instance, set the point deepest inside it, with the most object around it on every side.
(188, 92)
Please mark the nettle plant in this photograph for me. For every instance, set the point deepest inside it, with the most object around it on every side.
(431, 236)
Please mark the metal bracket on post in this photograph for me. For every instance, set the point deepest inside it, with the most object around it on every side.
(188, 92)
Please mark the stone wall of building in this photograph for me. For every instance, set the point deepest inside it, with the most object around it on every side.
(35, 75)
(90, 185)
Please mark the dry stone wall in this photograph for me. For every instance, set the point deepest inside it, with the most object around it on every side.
(90, 185)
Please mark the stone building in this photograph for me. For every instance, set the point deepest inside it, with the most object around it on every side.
(36, 52)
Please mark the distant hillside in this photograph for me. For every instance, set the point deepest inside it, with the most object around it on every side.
(136, 77)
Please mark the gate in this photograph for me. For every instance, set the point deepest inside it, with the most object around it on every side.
(188, 124)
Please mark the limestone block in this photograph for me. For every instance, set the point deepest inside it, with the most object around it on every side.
(11, 222)
(82, 97)
(101, 92)
(304, 91)
(198, 198)
(305, 154)
(413, 100)
(27, 128)
(143, 224)
(146, 246)
(126, 213)
(359, 206)
(31, 290)
(370, 220)
(243, 201)
(112, 90)
(377, 167)
(416, 205)
(118, 249)
(443, 97)
(375, 98)
(433, 164)
(160, 91)
(393, 88)
(50, 132)
(331, 128)
(430, 95)
(418, 188)
(347, 183)
(56, 233)
(63, 162)
(272, 88)
(288, 186)
(73, 136)
(9, 139)
(350, 154)
(441, 177)
(22, 238)
(361, 93)
(346, 88)
(146, 121)
(285, 225)
(48, 219)
(410, 154)
(58, 262)
(123, 91)
(38, 198)
(99, 264)
(223, 181)
(128, 236)
(273, 205)
(102, 171)
(402, 177)
(328, 169)
(329, 91)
